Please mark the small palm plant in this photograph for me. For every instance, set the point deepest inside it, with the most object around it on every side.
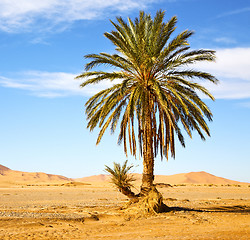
(121, 178)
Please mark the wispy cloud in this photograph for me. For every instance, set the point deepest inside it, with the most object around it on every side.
(27, 15)
(232, 68)
(49, 84)
(244, 104)
(225, 40)
(234, 12)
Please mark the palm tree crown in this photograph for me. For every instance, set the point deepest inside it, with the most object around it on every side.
(156, 90)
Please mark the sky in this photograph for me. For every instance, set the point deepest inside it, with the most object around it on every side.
(42, 113)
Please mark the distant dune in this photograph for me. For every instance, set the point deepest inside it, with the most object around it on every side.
(8, 175)
(192, 177)
(94, 178)
(3, 169)
(195, 178)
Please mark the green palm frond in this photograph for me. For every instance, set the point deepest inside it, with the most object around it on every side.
(157, 86)
(120, 175)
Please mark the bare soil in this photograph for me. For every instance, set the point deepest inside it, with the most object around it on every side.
(78, 211)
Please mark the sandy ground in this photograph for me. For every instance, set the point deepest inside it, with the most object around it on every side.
(93, 212)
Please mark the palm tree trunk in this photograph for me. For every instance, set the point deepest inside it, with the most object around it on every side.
(148, 156)
(127, 192)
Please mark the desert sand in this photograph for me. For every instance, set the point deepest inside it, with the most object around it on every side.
(93, 210)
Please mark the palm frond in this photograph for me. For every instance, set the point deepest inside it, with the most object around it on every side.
(156, 86)
(120, 175)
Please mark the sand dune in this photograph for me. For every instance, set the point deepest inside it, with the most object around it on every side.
(94, 178)
(195, 178)
(192, 177)
(8, 175)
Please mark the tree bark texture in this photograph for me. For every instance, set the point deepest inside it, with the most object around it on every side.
(148, 155)
(127, 192)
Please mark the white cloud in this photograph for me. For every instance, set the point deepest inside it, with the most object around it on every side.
(27, 15)
(231, 63)
(232, 68)
(229, 89)
(50, 84)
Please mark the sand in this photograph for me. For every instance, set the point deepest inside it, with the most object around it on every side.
(79, 211)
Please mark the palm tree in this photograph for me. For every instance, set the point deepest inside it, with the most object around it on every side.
(155, 91)
(121, 178)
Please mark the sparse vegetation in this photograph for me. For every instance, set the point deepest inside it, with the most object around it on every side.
(180, 185)
(163, 185)
(122, 178)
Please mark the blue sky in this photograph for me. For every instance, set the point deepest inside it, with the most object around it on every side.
(43, 124)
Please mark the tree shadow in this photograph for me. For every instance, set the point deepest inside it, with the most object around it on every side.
(230, 209)
(223, 209)
(165, 209)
